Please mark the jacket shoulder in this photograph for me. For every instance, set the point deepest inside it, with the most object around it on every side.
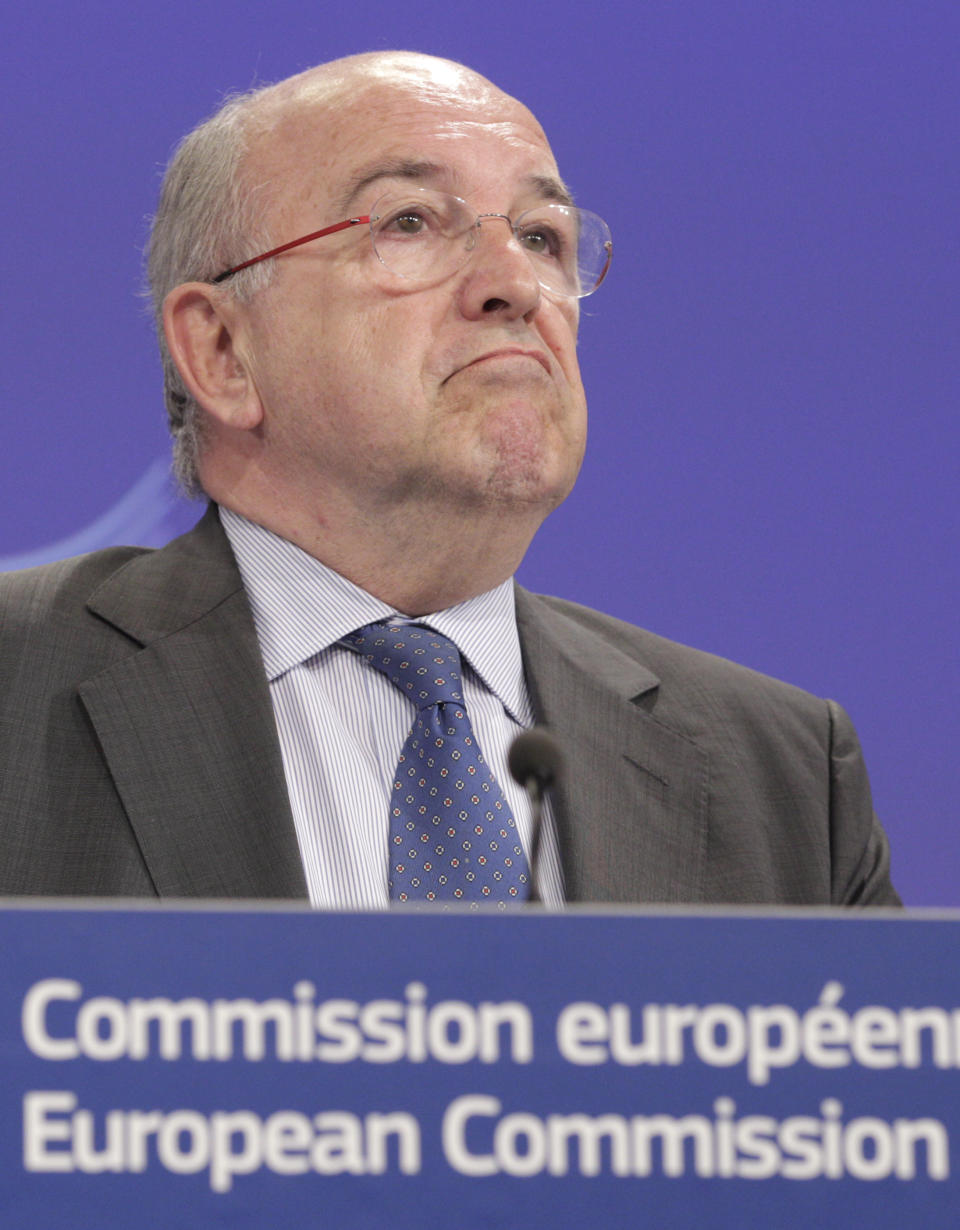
(701, 679)
(50, 586)
(132, 595)
(49, 601)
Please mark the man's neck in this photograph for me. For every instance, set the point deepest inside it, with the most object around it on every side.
(414, 569)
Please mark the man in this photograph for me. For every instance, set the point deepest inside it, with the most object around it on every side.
(370, 310)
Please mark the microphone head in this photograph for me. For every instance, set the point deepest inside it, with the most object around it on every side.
(535, 759)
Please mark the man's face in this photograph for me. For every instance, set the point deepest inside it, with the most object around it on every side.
(379, 397)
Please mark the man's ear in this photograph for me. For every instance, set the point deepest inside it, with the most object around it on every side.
(201, 328)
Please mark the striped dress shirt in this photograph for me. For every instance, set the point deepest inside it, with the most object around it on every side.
(342, 724)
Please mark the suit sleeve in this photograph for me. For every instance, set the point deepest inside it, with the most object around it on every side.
(860, 852)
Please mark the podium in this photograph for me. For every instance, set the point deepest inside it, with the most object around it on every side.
(260, 1067)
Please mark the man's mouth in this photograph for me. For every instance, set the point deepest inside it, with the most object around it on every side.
(507, 357)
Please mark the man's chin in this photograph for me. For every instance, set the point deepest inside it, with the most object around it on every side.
(529, 483)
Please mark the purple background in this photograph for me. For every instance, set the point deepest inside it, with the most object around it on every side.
(773, 363)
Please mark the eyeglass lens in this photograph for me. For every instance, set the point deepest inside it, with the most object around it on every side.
(425, 235)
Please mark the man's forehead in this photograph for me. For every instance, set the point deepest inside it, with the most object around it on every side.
(360, 127)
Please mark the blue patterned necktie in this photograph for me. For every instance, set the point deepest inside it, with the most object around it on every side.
(452, 835)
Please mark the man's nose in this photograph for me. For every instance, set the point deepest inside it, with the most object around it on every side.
(500, 275)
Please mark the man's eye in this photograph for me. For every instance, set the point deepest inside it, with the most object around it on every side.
(408, 222)
(541, 241)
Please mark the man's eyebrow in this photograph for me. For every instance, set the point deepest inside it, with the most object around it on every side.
(551, 189)
(548, 187)
(392, 168)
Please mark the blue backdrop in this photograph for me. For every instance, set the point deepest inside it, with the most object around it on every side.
(773, 363)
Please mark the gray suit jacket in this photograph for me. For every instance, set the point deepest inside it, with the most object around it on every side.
(138, 753)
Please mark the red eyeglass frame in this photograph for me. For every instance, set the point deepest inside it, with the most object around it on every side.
(294, 243)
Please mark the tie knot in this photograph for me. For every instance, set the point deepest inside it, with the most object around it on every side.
(424, 665)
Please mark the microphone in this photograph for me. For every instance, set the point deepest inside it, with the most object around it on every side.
(535, 761)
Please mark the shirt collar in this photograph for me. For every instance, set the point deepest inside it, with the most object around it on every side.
(301, 607)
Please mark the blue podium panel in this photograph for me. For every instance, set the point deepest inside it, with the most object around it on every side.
(168, 1068)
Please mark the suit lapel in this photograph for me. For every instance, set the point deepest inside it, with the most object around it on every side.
(632, 807)
(186, 726)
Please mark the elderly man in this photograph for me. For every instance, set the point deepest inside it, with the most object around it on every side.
(368, 278)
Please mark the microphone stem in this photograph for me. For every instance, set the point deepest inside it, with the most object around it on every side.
(536, 814)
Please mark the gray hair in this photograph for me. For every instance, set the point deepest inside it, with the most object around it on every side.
(208, 219)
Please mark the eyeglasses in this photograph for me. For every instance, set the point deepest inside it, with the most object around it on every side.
(425, 236)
